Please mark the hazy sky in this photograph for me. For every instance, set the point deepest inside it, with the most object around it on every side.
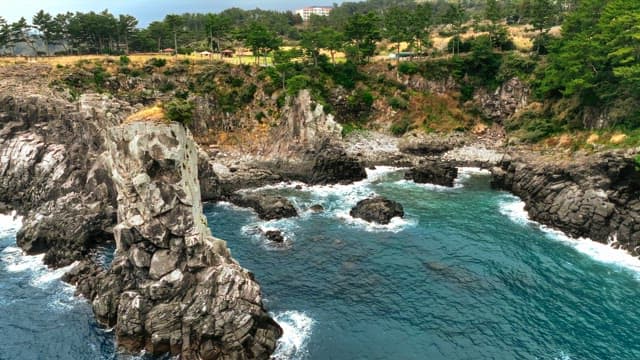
(144, 10)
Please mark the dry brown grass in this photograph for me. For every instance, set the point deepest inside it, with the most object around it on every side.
(151, 114)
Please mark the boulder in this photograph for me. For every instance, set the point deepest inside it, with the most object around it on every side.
(332, 165)
(379, 210)
(436, 173)
(275, 236)
(267, 207)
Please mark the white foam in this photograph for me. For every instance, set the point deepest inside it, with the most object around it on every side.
(277, 186)
(396, 224)
(296, 331)
(429, 187)
(16, 261)
(379, 172)
(562, 356)
(465, 173)
(49, 276)
(513, 207)
(9, 224)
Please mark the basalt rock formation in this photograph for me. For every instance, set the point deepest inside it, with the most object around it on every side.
(51, 168)
(267, 207)
(595, 196)
(434, 172)
(379, 210)
(172, 286)
(79, 178)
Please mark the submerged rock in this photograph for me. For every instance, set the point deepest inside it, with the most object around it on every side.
(379, 210)
(266, 206)
(437, 173)
(317, 208)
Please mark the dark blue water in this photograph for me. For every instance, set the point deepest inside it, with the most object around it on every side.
(464, 276)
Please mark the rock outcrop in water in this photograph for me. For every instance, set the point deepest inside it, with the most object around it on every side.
(433, 172)
(80, 179)
(379, 210)
(172, 286)
(594, 196)
(266, 206)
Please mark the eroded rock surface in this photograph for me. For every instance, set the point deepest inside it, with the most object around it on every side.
(433, 172)
(172, 286)
(51, 168)
(267, 207)
(379, 210)
(79, 178)
(595, 196)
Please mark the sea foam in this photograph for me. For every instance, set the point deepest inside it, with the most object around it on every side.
(296, 331)
(9, 224)
(514, 208)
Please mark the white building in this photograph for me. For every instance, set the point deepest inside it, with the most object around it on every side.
(305, 13)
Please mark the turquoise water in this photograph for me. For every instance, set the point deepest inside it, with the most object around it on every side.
(465, 276)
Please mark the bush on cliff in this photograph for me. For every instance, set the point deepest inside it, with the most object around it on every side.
(179, 110)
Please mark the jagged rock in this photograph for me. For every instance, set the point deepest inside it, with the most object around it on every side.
(593, 196)
(437, 173)
(172, 287)
(331, 165)
(274, 236)
(267, 207)
(505, 101)
(51, 169)
(67, 166)
(420, 143)
(379, 210)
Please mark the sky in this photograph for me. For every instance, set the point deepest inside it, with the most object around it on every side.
(145, 11)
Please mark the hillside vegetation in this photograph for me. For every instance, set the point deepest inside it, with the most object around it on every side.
(581, 60)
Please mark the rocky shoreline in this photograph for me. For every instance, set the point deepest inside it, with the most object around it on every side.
(81, 176)
(595, 196)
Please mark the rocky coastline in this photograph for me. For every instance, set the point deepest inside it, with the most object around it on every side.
(592, 196)
(81, 176)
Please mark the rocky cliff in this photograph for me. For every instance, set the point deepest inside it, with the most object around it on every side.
(80, 178)
(51, 169)
(595, 196)
(172, 286)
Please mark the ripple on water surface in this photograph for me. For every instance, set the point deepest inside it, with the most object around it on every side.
(465, 276)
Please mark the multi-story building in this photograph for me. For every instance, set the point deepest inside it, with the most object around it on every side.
(305, 13)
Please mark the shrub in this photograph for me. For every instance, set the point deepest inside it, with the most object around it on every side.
(398, 103)
(166, 86)
(179, 110)
(157, 62)
(99, 76)
(350, 127)
(400, 127)
(297, 83)
(124, 60)
(408, 68)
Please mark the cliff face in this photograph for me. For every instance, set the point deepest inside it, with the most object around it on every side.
(172, 286)
(594, 196)
(80, 178)
(50, 164)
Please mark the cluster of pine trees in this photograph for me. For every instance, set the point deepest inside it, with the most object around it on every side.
(405, 20)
